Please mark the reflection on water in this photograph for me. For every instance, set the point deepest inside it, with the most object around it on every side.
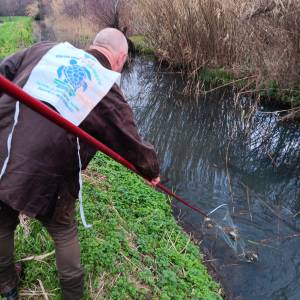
(218, 150)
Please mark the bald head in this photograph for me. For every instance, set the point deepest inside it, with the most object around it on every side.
(113, 44)
(112, 39)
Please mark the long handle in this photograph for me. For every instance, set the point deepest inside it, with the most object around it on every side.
(18, 94)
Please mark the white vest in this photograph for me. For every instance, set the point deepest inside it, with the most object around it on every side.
(71, 80)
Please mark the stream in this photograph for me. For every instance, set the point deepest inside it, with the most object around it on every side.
(223, 149)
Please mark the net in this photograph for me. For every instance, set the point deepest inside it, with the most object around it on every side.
(220, 223)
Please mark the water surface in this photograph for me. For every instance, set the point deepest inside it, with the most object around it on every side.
(221, 149)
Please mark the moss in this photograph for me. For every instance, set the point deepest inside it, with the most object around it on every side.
(289, 97)
(212, 78)
(135, 249)
(215, 77)
(141, 45)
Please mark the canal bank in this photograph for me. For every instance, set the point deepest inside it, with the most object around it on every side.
(209, 80)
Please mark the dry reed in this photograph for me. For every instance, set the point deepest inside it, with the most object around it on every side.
(79, 21)
(77, 29)
(247, 38)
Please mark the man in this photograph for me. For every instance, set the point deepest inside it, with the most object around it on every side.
(41, 177)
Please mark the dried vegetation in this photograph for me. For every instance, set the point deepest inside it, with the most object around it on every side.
(258, 39)
(79, 21)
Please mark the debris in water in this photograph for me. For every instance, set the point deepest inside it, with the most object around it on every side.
(225, 228)
(209, 223)
(233, 235)
(232, 232)
(251, 257)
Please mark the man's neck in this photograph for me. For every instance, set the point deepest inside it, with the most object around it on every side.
(106, 53)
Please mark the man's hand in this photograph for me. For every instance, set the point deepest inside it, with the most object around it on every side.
(154, 182)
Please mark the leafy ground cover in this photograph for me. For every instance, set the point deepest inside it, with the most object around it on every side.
(15, 34)
(135, 249)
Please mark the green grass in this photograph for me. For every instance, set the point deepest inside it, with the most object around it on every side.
(215, 77)
(141, 45)
(15, 34)
(135, 249)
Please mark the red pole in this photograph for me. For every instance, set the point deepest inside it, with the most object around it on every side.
(17, 93)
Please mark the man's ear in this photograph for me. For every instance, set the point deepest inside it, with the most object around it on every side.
(121, 60)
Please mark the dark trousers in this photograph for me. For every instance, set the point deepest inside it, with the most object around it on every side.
(67, 253)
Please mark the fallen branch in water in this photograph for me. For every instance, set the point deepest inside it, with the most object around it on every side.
(278, 111)
(294, 114)
(279, 238)
(229, 83)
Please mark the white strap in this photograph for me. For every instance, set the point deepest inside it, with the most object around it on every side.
(9, 139)
(80, 190)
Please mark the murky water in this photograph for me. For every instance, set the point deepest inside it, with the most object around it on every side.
(221, 150)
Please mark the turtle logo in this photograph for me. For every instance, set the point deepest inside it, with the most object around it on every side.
(73, 77)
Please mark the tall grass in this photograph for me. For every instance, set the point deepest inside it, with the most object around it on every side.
(258, 38)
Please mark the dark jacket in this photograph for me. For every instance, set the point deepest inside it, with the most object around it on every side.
(43, 166)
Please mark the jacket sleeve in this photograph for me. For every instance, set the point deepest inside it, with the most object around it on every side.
(9, 66)
(112, 123)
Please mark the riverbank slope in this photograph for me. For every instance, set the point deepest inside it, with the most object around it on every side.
(135, 249)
